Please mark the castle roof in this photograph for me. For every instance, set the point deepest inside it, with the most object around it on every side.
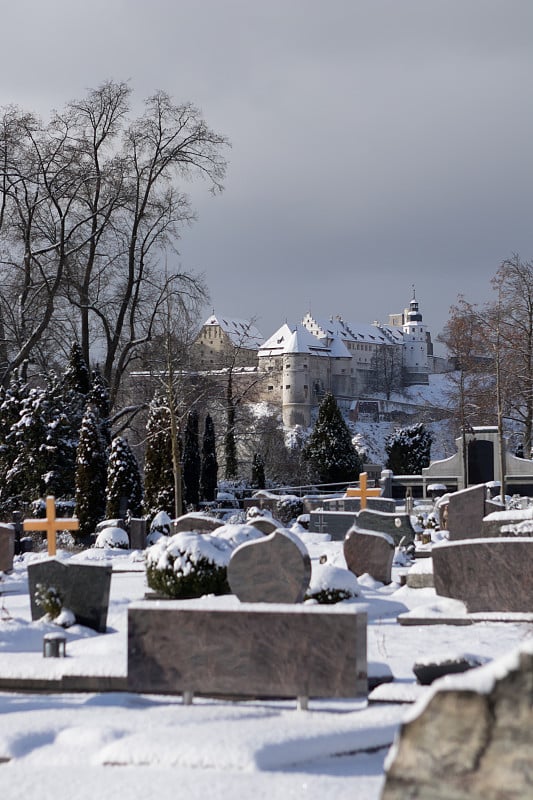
(337, 328)
(295, 339)
(242, 332)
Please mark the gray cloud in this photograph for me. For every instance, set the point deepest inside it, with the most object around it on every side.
(376, 144)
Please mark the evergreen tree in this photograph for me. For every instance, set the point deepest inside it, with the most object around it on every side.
(158, 474)
(123, 480)
(258, 471)
(209, 465)
(408, 450)
(191, 461)
(91, 474)
(11, 399)
(329, 449)
(99, 398)
(77, 373)
(63, 418)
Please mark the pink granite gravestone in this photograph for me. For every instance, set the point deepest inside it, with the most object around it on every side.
(276, 569)
(369, 552)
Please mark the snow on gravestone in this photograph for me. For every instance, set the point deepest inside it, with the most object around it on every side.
(471, 737)
(276, 569)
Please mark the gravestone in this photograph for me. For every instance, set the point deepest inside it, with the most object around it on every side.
(7, 547)
(266, 525)
(466, 510)
(83, 587)
(335, 523)
(219, 646)
(486, 574)
(276, 569)
(431, 668)
(397, 525)
(354, 504)
(471, 739)
(195, 522)
(138, 528)
(369, 552)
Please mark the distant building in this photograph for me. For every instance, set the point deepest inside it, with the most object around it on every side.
(298, 364)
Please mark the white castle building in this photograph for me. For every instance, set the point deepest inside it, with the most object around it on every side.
(299, 363)
(303, 362)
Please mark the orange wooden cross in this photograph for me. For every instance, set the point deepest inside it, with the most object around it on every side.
(51, 524)
(362, 491)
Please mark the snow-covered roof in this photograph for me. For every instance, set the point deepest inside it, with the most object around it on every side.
(353, 332)
(294, 339)
(242, 332)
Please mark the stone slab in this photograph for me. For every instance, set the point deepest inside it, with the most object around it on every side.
(137, 532)
(466, 510)
(354, 504)
(274, 651)
(275, 569)
(369, 552)
(7, 547)
(84, 588)
(486, 574)
(397, 525)
(335, 523)
(196, 522)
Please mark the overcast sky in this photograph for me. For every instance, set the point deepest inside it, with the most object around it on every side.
(376, 144)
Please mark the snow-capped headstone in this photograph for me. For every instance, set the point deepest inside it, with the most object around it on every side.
(84, 589)
(275, 569)
(472, 739)
(369, 552)
(7, 547)
(486, 574)
(429, 668)
(466, 510)
(266, 525)
(196, 522)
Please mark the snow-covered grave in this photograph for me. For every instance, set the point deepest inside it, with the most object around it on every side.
(74, 743)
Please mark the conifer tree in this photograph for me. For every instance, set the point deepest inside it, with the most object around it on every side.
(209, 464)
(158, 473)
(91, 473)
(77, 373)
(258, 471)
(191, 461)
(11, 399)
(123, 480)
(408, 450)
(329, 449)
(99, 398)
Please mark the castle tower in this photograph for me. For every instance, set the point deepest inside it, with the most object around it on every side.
(415, 344)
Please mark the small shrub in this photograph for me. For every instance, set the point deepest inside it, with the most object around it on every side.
(330, 596)
(188, 565)
(49, 599)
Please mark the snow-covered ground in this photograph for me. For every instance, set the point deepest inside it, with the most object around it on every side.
(108, 745)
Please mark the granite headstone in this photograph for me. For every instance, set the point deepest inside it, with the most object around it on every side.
(466, 509)
(196, 522)
(369, 552)
(486, 574)
(83, 587)
(396, 525)
(7, 547)
(276, 569)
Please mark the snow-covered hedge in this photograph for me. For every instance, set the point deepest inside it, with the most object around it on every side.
(191, 564)
(113, 538)
(330, 584)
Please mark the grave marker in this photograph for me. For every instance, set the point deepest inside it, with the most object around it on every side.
(275, 569)
(369, 552)
(7, 547)
(84, 589)
(363, 491)
(50, 525)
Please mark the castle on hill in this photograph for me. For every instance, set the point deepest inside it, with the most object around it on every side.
(298, 364)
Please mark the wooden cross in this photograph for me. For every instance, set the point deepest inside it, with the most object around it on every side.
(51, 524)
(362, 490)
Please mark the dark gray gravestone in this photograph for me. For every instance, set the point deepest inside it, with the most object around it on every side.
(395, 525)
(486, 574)
(354, 504)
(276, 569)
(466, 510)
(138, 528)
(246, 650)
(335, 523)
(369, 552)
(7, 547)
(83, 587)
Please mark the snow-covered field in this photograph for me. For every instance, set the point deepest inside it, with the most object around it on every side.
(105, 745)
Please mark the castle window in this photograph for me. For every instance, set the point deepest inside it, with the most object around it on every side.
(287, 386)
(270, 388)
